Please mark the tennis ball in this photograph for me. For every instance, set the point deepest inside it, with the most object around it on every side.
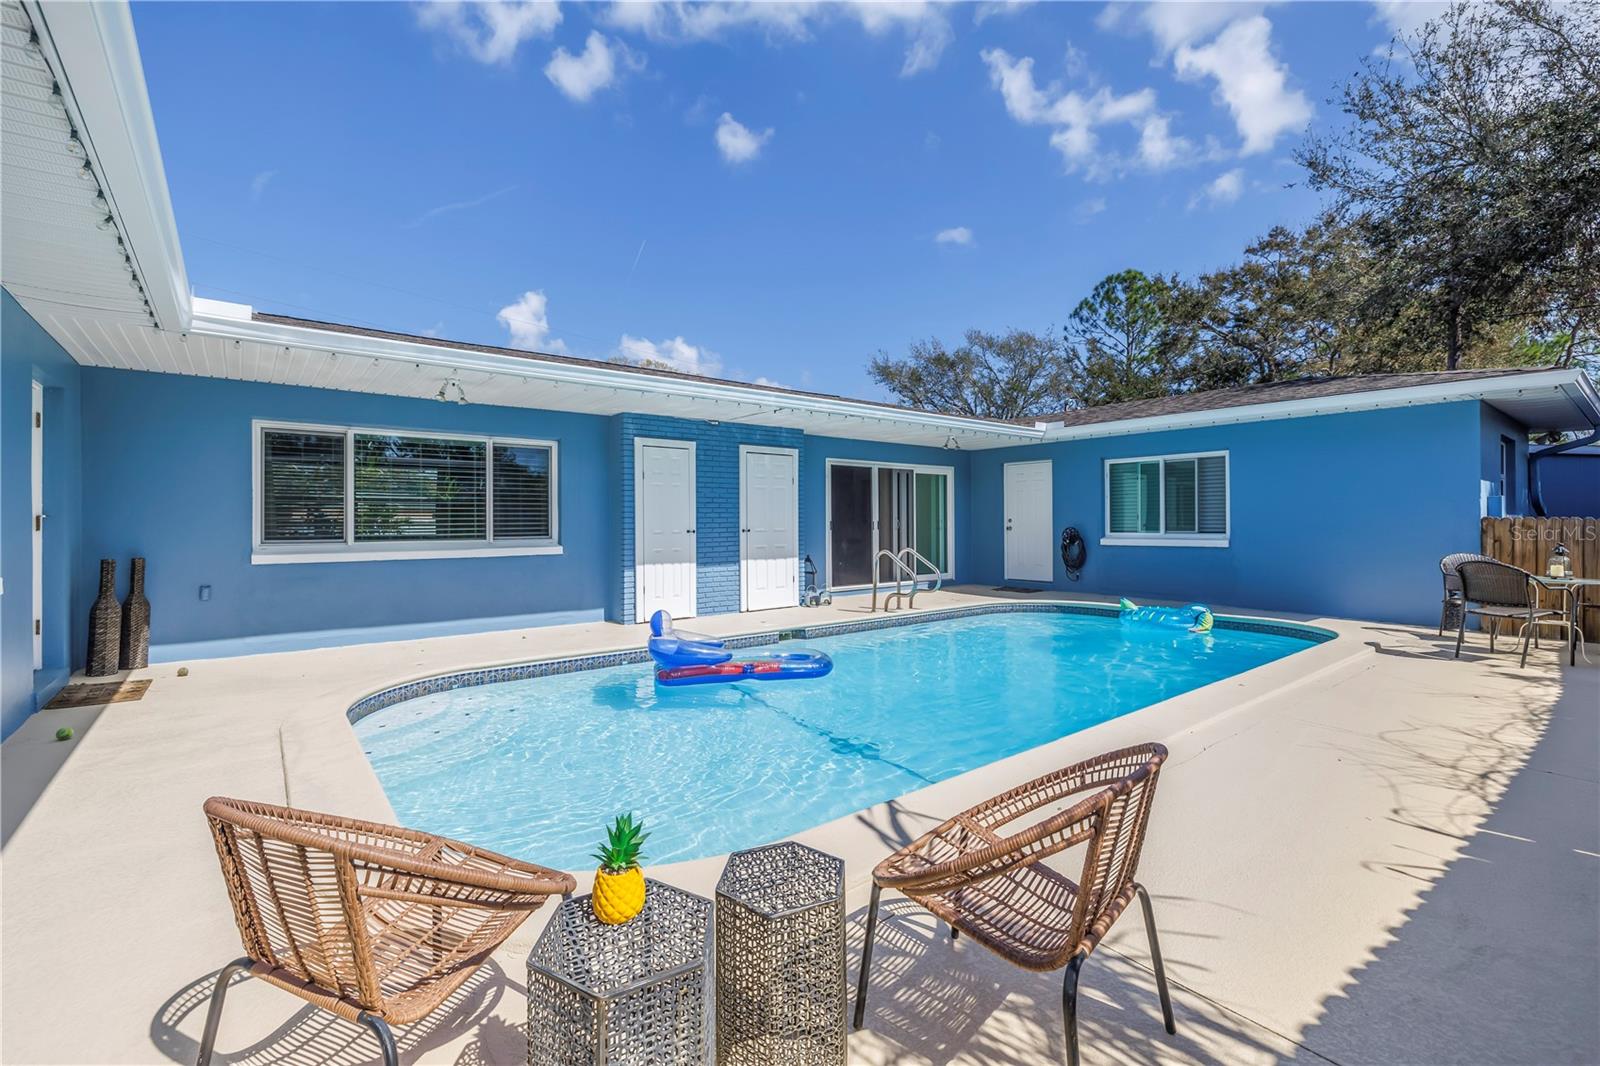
(64, 733)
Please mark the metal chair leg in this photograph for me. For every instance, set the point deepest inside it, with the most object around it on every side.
(1461, 630)
(219, 990)
(391, 1054)
(1527, 633)
(866, 957)
(954, 932)
(1155, 959)
(1069, 1006)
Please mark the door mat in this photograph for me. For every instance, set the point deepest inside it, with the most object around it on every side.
(98, 694)
(1015, 588)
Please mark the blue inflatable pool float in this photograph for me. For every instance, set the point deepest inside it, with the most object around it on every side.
(1196, 618)
(691, 659)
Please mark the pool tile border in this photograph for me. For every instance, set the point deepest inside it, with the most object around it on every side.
(494, 675)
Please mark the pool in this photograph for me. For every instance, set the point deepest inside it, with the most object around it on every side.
(536, 767)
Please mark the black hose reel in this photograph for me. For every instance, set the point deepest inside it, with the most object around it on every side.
(1074, 552)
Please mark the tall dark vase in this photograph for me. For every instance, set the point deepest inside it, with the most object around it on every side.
(136, 622)
(105, 624)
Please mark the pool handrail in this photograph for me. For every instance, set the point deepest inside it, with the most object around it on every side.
(903, 570)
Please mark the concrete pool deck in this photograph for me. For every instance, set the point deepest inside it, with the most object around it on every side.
(1365, 852)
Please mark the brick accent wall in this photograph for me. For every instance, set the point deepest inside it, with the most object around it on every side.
(717, 509)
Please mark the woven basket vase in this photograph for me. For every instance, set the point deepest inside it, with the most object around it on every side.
(135, 654)
(105, 624)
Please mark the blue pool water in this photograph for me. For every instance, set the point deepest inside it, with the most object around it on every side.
(536, 768)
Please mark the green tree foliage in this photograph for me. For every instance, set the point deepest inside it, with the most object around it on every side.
(1126, 340)
(1472, 164)
(1016, 374)
(1463, 230)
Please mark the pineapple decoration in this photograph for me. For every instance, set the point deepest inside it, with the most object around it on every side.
(619, 883)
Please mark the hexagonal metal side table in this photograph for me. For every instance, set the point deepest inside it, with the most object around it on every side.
(780, 958)
(621, 995)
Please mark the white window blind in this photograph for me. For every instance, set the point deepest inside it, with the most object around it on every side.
(418, 488)
(1183, 497)
(302, 487)
(521, 491)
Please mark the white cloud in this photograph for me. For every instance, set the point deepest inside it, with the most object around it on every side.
(737, 142)
(580, 76)
(259, 183)
(1175, 24)
(675, 354)
(458, 205)
(955, 235)
(1075, 117)
(989, 9)
(1250, 80)
(1224, 189)
(1406, 17)
(487, 31)
(528, 322)
(1089, 208)
(1158, 148)
(923, 24)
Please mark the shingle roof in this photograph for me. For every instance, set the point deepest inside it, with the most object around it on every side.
(1306, 388)
(572, 360)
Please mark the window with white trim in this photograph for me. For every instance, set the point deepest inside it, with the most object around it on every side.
(325, 493)
(1168, 499)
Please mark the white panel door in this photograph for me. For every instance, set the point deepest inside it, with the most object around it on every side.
(37, 423)
(664, 527)
(769, 535)
(1029, 529)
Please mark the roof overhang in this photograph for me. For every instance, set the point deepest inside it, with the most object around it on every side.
(89, 223)
(1546, 400)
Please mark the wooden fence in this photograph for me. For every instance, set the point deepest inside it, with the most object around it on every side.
(1528, 542)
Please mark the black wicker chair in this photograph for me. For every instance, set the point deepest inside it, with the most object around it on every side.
(1494, 591)
(1451, 605)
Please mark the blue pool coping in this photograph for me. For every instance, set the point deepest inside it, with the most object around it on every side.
(494, 675)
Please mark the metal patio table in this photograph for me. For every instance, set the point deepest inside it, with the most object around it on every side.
(621, 995)
(1572, 590)
(780, 958)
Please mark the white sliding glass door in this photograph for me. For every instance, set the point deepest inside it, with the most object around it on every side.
(874, 507)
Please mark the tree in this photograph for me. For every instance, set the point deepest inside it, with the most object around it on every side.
(1016, 374)
(1127, 340)
(1472, 167)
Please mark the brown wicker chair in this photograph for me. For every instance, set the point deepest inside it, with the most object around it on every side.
(1494, 591)
(995, 889)
(377, 924)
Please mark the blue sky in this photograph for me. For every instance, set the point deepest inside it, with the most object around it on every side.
(771, 192)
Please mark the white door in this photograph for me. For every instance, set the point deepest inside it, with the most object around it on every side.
(769, 535)
(664, 537)
(1029, 529)
(38, 525)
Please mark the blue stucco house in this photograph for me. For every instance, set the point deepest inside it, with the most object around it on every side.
(298, 484)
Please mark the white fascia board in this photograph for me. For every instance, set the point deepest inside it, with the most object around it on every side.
(94, 54)
(1574, 384)
(228, 326)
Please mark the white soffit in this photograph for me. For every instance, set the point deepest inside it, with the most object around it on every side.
(87, 222)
